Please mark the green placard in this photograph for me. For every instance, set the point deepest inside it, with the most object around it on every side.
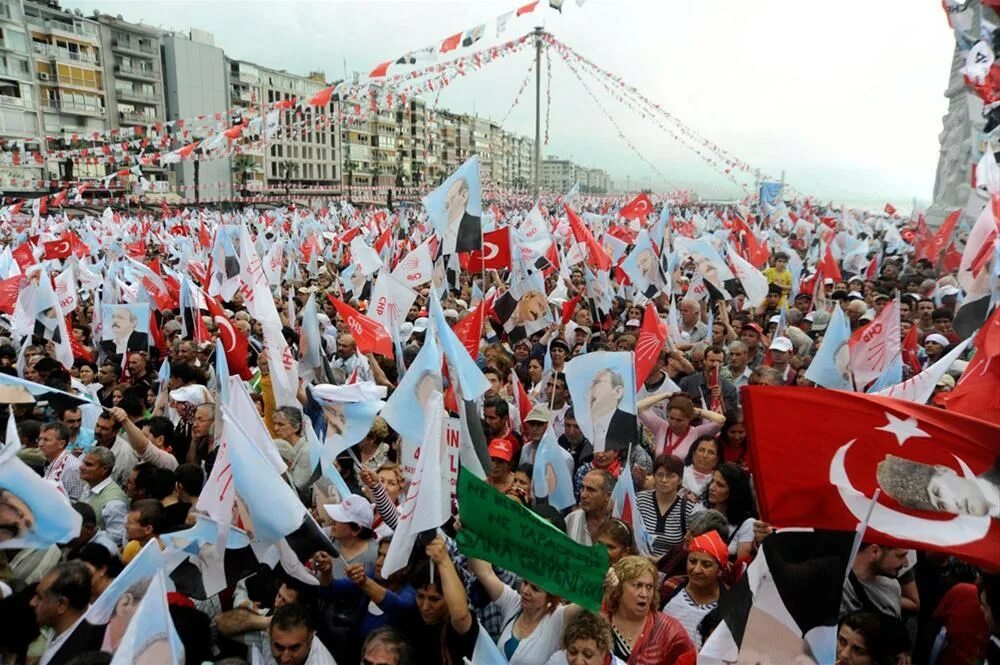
(498, 529)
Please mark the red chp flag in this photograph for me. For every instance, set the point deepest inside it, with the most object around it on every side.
(638, 207)
(938, 472)
(369, 335)
(470, 329)
(234, 343)
(596, 256)
(495, 254)
(649, 346)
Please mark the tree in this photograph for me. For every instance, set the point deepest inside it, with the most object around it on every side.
(288, 168)
(243, 167)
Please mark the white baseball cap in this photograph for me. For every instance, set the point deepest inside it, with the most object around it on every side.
(352, 509)
(420, 325)
(782, 344)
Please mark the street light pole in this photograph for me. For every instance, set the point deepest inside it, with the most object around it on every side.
(538, 110)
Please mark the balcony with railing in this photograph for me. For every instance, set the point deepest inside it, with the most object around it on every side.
(140, 95)
(56, 53)
(124, 44)
(147, 73)
(137, 118)
(70, 81)
(78, 30)
(21, 102)
(65, 106)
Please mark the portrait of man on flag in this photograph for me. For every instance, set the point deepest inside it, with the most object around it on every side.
(125, 328)
(33, 511)
(456, 210)
(602, 385)
(938, 488)
(524, 310)
(643, 267)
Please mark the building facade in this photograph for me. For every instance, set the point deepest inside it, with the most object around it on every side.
(195, 85)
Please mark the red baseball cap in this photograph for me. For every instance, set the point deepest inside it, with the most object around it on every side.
(501, 449)
(754, 327)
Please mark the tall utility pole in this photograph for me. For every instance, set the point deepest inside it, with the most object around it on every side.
(538, 111)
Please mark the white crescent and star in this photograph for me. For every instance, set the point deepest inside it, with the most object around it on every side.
(959, 530)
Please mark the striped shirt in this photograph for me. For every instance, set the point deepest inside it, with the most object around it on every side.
(667, 529)
(683, 608)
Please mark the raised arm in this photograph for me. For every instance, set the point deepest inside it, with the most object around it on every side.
(451, 585)
(483, 570)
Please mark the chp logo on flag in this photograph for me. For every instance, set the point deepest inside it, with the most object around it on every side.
(938, 472)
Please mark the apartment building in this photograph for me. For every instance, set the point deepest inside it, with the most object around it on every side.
(20, 115)
(558, 175)
(195, 85)
(305, 150)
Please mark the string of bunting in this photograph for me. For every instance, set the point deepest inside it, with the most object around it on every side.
(520, 91)
(621, 133)
(548, 91)
(727, 158)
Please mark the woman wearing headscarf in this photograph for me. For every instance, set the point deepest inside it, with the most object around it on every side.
(707, 558)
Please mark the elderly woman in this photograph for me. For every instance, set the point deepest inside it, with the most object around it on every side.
(533, 619)
(642, 635)
(292, 446)
(707, 558)
(676, 434)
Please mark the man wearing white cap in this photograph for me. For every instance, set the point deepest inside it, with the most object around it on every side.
(534, 424)
(781, 349)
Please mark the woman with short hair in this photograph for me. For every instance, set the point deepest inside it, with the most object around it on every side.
(641, 634)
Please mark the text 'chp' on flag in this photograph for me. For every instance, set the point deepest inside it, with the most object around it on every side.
(938, 472)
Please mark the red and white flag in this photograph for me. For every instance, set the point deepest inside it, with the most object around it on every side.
(873, 346)
(369, 335)
(649, 346)
(937, 471)
(639, 207)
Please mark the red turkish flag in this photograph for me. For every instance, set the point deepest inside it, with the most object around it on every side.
(58, 249)
(569, 307)
(942, 237)
(380, 70)
(234, 343)
(470, 329)
(648, 347)
(911, 349)
(10, 288)
(527, 9)
(321, 98)
(976, 392)
(596, 256)
(495, 254)
(451, 43)
(931, 466)
(638, 207)
(829, 266)
(156, 335)
(369, 335)
(889, 210)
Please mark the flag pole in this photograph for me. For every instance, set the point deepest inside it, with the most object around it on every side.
(538, 111)
(859, 535)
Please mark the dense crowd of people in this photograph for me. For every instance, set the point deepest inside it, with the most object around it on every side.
(133, 451)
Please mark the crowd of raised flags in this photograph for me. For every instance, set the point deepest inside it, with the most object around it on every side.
(679, 432)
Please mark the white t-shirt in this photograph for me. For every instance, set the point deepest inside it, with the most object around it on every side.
(744, 534)
(544, 639)
(683, 608)
(696, 482)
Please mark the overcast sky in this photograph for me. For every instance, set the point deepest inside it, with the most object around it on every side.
(845, 97)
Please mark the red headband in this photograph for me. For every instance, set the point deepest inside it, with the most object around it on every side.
(711, 544)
